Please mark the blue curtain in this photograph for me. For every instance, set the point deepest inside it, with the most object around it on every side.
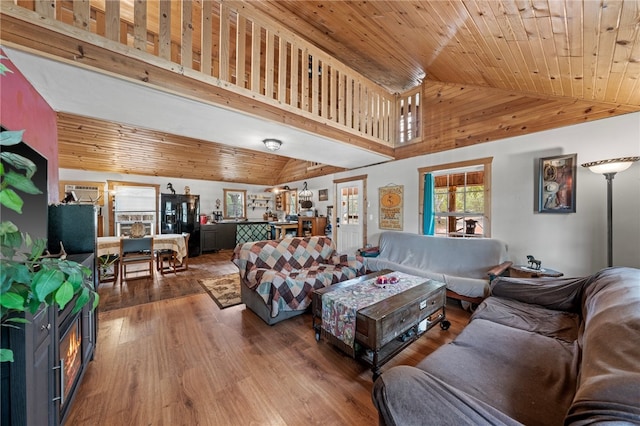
(429, 224)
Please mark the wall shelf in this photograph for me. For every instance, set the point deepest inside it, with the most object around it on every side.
(260, 201)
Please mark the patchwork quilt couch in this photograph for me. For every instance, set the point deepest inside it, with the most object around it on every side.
(278, 276)
(537, 352)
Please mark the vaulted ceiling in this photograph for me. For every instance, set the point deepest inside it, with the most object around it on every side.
(492, 69)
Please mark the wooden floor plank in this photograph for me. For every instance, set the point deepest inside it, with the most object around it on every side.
(183, 361)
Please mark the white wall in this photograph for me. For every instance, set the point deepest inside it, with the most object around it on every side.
(573, 243)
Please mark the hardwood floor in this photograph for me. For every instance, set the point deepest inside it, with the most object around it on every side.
(183, 361)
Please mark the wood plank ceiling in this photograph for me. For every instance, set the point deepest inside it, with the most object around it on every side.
(492, 69)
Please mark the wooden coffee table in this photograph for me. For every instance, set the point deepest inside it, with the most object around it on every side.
(390, 325)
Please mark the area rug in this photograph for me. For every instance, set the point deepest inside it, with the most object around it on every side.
(224, 290)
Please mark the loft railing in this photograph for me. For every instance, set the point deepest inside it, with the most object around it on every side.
(409, 114)
(254, 56)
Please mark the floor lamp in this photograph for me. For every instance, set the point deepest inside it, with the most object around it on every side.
(609, 168)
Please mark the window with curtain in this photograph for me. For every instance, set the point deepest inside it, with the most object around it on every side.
(461, 204)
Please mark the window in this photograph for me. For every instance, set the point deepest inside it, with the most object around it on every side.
(349, 200)
(461, 200)
(235, 203)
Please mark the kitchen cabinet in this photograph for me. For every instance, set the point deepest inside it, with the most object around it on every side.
(217, 236)
(311, 226)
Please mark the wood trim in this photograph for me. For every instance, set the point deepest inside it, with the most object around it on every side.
(455, 165)
(349, 179)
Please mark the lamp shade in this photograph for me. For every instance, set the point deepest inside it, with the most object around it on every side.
(614, 165)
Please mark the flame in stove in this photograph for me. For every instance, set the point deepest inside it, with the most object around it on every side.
(71, 357)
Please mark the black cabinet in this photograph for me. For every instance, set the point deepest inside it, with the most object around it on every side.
(28, 382)
(217, 236)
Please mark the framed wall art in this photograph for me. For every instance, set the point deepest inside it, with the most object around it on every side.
(557, 184)
(391, 201)
(323, 195)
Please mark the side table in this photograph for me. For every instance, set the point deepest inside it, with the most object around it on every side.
(523, 271)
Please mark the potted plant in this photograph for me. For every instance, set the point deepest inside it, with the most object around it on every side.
(30, 278)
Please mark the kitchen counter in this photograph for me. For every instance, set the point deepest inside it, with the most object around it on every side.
(226, 234)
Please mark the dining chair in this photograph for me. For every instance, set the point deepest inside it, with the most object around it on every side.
(136, 251)
(169, 256)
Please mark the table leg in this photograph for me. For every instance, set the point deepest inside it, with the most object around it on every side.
(375, 368)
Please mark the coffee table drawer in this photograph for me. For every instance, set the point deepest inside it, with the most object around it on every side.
(395, 316)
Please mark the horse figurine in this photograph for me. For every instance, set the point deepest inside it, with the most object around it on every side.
(170, 188)
(533, 262)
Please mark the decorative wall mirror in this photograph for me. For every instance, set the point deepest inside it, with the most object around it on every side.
(235, 203)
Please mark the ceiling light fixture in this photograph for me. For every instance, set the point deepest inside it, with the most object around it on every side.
(272, 144)
(306, 193)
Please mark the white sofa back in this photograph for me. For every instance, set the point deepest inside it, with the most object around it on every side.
(462, 263)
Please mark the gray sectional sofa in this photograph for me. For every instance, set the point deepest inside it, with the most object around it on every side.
(465, 265)
(537, 352)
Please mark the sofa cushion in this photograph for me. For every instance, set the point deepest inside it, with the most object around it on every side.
(407, 396)
(534, 318)
(528, 376)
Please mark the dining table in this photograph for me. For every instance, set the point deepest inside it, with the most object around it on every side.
(111, 245)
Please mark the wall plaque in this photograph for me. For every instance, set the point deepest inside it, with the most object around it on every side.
(391, 200)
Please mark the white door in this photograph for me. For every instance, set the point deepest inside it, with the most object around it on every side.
(349, 217)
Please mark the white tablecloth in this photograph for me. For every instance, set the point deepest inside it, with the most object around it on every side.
(175, 242)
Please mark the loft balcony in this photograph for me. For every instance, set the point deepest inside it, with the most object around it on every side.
(229, 57)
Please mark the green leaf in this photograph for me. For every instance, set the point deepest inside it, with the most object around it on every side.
(19, 162)
(96, 300)
(82, 300)
(12, 300)
(13, 273)
(21, 183)
(64, 294)
(37, 247)
(8, 227)
(6, 355)
(11, 137)
(45, 282)
(34, 305)
(11, 200)
(17, 320)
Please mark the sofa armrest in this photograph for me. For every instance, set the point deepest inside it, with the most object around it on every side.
(500, 270)
(554, 293)
(354, 262)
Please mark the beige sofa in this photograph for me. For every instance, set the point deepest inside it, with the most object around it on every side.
(465, 265)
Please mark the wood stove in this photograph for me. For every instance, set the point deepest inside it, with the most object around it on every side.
(70, 357)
